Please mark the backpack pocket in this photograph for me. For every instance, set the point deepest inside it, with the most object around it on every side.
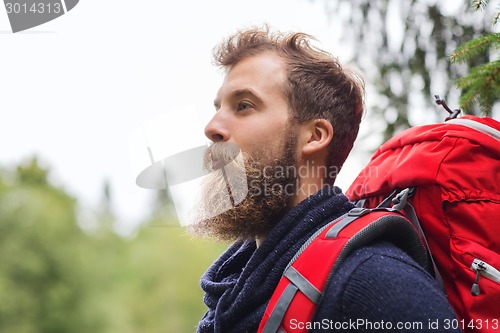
(476, 271)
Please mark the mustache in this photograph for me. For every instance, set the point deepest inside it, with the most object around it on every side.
(219, 154)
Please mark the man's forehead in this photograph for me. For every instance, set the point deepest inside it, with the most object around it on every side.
(255, 75)
(268, 61)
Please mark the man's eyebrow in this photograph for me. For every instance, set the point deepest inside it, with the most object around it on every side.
(245, 92)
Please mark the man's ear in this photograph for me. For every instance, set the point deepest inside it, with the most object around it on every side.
(318, 135)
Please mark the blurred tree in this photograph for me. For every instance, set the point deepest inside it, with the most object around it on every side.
(402, 46)
(159, 284)
(43, 281)
(55, 277)
(32, 174)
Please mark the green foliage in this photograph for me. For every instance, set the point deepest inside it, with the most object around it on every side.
(482, 84)
(481, 4)
(475, 47)
(43, 283)
(402, 47)
(160, 281)
(57, 278)
(31, 173)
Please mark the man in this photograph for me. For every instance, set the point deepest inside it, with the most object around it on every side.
(293, 113)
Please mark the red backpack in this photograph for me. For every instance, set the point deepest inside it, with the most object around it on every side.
(450, 176)
(454, 168)
(294, 300)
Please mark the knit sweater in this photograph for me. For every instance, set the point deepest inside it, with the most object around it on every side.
(377, 282)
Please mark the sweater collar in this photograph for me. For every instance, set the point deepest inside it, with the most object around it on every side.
(239, 284)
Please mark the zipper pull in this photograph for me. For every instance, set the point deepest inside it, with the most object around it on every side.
(475, 291)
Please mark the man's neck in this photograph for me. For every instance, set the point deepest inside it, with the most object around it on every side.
(308, 186)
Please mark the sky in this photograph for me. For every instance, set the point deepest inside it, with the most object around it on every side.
(73, 90)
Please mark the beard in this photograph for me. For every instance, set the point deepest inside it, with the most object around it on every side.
(246, 197)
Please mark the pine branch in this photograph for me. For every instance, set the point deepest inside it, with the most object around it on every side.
(467, 99)
(478, 4)
(496, 17)
(486, 101)
(481, 85)
(489, 69)
(475, 47)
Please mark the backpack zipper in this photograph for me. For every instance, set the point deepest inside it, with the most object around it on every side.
(483, 268)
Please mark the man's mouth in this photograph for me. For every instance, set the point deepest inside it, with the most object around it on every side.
(219, 155)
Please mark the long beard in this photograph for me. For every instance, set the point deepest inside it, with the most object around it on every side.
(247, 197)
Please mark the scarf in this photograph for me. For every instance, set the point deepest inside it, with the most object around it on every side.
(240, 283)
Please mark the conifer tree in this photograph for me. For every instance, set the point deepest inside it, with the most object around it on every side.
(403, 49)
(482, 84)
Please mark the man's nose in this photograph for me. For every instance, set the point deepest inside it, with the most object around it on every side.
(216, 129)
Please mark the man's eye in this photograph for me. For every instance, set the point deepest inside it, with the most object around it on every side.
(242, 106)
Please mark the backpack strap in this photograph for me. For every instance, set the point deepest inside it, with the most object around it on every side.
(401, 203)
(301, 287)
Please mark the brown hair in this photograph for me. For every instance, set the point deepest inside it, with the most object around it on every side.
(317, 86)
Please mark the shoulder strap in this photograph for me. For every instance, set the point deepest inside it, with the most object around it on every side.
(303, 282)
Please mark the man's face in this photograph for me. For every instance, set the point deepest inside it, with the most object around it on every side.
(252, 114)
(252, 111)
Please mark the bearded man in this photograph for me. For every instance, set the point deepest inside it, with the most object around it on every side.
(287, 115)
